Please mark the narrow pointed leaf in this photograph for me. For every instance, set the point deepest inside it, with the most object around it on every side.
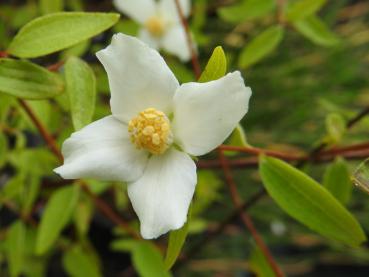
(337, 180)
(176, 241)
(148, 261)
(216, 67)
(246, 9)
(81, 88)
(27, 80)
(314, 29)
(57, 214)
(303, 8)
(15, 247)
(309, 202)
(261, 46)
(57, 31)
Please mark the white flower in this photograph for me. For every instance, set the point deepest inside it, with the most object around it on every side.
(161, 24)
(155, 126)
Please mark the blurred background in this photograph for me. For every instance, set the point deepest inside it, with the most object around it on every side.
(317, 66)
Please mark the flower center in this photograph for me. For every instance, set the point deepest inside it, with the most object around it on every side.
(150, 130)
(155, 25)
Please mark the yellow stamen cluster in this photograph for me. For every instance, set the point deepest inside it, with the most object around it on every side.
(156, 26)
(150, 130)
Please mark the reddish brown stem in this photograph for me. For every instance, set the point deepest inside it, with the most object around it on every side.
(55, 67)
(194, 59)
(258, 151)
(44, 133)
(246, 219)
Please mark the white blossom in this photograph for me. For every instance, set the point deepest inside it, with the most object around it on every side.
(156, 124)
(161, 26)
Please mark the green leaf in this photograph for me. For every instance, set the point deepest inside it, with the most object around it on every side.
(317, 31)
(261, 46)
(303, 8)
(148, 261)
(216, 66)
(309, 202)
(79, 264)
(57, 31)
(27, 80)
(176, 241)
(247, 9)
(81, 88)
(337, 180)
(51, 6)
(82, 216)
(15, 243)
(336, 127)
(57, 214)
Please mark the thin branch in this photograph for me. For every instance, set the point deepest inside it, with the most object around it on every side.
(194, 59)
(44, 133)
(210, 235)
(246, 219)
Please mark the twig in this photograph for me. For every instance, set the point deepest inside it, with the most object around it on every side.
(246, 219)
(212, 234)
(194, 59)
(351, 152)
(44, 133)
(350, 123)
(258, 151)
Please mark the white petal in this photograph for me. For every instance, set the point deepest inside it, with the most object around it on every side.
(206, 113)
(139, 10)
(175, 42)
(161, 197)
(102, 150)
(147, 38)
(168, 9)
(139, 78)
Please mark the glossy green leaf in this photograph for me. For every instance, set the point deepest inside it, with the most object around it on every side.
(216, 66)
(247, 9)
(336, 127)
(57, 214)
(317, 31)
(303, 8)
(57, 31)
(51, 6)
(27, 80)
(337, 180)
(78, 263)
(309, 202)
(81, 88)
(15, 247)
(175, 244)
(261, 46)
(148, 261)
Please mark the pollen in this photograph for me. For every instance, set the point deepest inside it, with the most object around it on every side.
(155, 25)
(150, 130)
